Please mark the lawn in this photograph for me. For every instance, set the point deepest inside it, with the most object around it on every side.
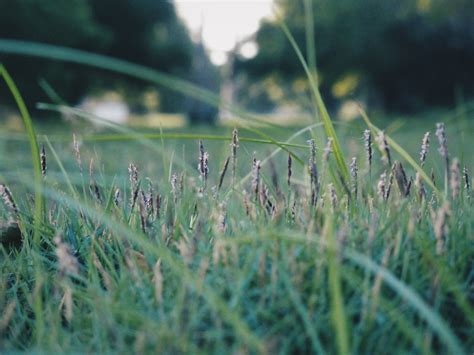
(140, 250)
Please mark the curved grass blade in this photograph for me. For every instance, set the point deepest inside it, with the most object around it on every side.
(138, 71)
(431, 317)
(35, 154)
(326, 119)
(335, 289)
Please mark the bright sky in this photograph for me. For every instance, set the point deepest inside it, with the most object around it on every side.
(224, 22)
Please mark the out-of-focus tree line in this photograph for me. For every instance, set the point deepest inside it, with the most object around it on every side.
(146, 32)
(399, 55)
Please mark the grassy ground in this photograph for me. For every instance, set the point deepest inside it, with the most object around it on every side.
(160, 259)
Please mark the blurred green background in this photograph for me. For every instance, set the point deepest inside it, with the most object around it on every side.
(394, 57)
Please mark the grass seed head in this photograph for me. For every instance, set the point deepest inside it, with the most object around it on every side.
(234, 145)
(420, 186)
(467, 181)
(381, 188)
(368, 147)
(290, 171)
(383, 145)
(332, 196)
(354, 171)
(8, 200)
(442, 140)
(203, 165)
(425, 144)
(440, 227)
(256, 166)
(67, 262)
(401, 177)
(313, 173)
(43, 161)
(133, 176)
(455, 179)
(327, 150)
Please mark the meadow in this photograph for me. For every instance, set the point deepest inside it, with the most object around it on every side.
(332, 238)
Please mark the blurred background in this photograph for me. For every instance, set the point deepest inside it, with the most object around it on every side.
(395, 57)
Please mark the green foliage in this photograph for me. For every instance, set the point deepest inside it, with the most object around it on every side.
(145, 32)
(208, 272)
(393, 47)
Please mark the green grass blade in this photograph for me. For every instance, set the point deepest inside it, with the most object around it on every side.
(326, 119)
(134, 70)
(35, 155)
(432, 318)
(71, 188)
(335, 289)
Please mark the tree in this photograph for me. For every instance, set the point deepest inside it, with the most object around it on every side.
(146, 32)
(411, 53)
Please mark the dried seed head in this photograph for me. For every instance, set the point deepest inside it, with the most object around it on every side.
(221, 222)
(368, 147)
(133, 174)
(234, 145)
(425, 144)
(388, 189)
(442, 140)
(43, 161)
(401, 177)
(203, 166)
(158, 203)
(381, 188)
(265, 200)
(95, 191)
(354, 171)
(455, 180)
(467, 181)
(174, 187)
(246, 203)
(7, 198)
(142, 210)
(440, 227)
(313, 173)
(420, 186)
(382, 141)
(333, 196)
(134, 186)
(67, 262)
(117, 197)
(256, 165)
(290, 171)
(327, 150)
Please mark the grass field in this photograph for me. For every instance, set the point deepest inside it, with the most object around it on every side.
(209, 240)
(153, 256)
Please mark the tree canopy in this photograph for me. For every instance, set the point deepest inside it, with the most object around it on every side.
(146, 32)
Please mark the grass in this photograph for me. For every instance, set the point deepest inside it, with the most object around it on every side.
(226, 272)
(128, 246)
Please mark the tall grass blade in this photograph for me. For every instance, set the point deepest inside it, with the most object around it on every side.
(326, 119)
(120, 66)
(35, 154)
(335, 289)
